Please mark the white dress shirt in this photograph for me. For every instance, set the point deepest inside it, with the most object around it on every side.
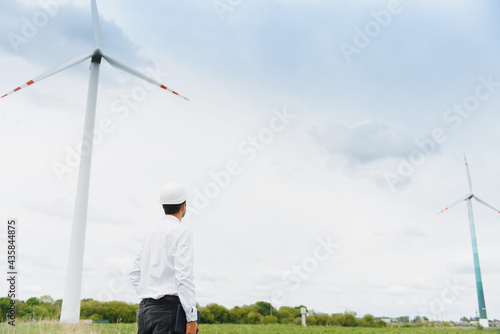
(164, 265)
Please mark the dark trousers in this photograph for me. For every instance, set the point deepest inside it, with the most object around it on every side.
(157, 316)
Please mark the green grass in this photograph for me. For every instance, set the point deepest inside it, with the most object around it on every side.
(272, 329)
(44, 327)
(275, 329)
(55, 327)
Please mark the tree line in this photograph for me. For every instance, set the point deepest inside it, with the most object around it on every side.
(263, 313)
(46, 308)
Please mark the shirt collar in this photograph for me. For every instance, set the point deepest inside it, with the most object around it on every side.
(172, 218)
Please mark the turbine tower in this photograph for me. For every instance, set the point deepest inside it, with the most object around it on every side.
(70, 312)
(483, 319)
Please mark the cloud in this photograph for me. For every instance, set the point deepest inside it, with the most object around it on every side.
(412, 232)
(384, 154)
(361, 143)
(367, 150)
(398, 290)
(34, 32)
(55, 205)
(210, 276)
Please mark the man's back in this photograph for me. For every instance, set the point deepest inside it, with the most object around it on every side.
(162, 273)
(166, 252)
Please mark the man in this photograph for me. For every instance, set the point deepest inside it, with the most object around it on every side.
(163, 270)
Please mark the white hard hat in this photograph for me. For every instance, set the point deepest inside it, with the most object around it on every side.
(173, 193)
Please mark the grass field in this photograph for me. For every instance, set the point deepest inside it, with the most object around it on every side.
(53, 328)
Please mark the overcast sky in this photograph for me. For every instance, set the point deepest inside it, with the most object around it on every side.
(321, 139)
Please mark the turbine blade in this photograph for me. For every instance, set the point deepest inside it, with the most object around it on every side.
(51, 72)
(468, 174)
(95, 24)
(138, 74)
(455, 203)
(484, 203)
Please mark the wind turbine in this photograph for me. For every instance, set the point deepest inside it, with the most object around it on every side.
(483, 319)
(70, 311)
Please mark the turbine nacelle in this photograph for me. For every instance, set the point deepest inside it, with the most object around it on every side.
(97, 55)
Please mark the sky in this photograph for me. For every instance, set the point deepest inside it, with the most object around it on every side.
(320, 141)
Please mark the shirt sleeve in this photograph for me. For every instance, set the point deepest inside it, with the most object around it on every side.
(184, 277)
(135, 274)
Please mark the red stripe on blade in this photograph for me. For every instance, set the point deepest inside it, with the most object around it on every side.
(3, 96)
(175, 93)
(18, 88)
(163, 87)
(30, 82)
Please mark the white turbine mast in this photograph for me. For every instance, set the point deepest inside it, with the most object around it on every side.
(70, 312)
(483, 318)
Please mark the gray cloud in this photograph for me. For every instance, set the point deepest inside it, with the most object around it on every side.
(367, 150)
(362, 143)
(50, 37)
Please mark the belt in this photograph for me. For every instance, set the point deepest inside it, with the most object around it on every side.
(166, 297)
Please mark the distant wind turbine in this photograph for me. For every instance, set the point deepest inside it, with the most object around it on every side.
(70, 312)
(483, 319)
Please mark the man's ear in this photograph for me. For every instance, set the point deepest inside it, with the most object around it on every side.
(183, 209)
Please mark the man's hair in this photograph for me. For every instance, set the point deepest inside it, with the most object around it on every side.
(172, 209)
